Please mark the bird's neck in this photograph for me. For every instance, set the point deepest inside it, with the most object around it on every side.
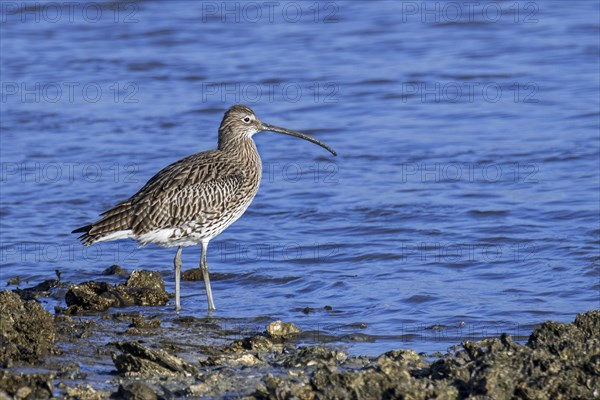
(245, 151)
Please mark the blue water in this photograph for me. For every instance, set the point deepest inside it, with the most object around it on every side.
(464, 201)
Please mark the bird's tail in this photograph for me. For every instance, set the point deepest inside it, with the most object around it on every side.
(114, 224)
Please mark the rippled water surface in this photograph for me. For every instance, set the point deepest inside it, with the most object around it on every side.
(464, 200)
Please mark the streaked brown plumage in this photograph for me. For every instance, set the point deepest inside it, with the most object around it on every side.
(194, 199)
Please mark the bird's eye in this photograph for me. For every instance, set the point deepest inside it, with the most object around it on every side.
(247, 119)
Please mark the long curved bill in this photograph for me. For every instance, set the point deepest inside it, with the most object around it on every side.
(273, 128)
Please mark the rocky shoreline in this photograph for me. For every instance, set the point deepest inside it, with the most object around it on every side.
(121, 354)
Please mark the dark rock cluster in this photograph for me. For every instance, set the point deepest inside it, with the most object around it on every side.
(138, 360)
(143, 288)
(26, 330)
(559, 361)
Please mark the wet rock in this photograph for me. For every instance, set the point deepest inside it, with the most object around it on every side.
(146, 279)
(138, 360)
(25, 386)
(377, 383)
(358, 337)
(147, 288)
(589, 323)
(74, 329)
(135, 391)
(282, 330)
(84, 392)
(70, 371)
(123, 316)
(406, 357)
(91, 296)
(194, 274)
(140, 326)
(26, 330)
(558, 361)
(496, 366)
(278, 388)
(234, 360)
(140, 323)
(143, 288)
(216, 384)
(44, 287)
(312, 356)
(114, 270)
(257, 343)
(13, 281)
(556, 338)
(41, 289)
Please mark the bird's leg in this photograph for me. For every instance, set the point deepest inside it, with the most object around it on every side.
(177, 264)
(204, 268)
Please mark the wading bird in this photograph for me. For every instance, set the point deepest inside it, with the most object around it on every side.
(194, 199)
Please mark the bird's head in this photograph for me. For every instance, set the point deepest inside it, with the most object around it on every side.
(241, 122)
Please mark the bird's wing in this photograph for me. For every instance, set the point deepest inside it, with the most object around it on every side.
(198, 189)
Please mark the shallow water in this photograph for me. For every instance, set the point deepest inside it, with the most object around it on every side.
(464, 201)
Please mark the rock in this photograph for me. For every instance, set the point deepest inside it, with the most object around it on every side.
(41, 289)
(406, 357)
(556, 337)
(141, 326)
(141, 323)
(278, 388)
(560, 361)
(235, 360)
(146, 280)
(282, 330)
(143, 288)
(26, 330)
(313, 356)
(221, 383)
(92, 296)
(147, 288)
(377, 383)
(70, 371)
(85, 392)
(589, 323)
(114, 270)
(194, 274)
(13, 281)
(135, 391)
(257, 343)
(557, 362)
(30, 386)
(138, 360)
